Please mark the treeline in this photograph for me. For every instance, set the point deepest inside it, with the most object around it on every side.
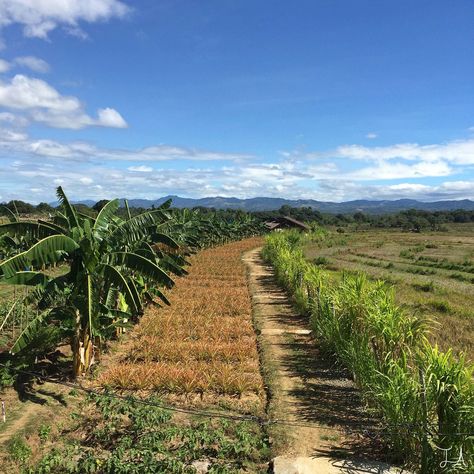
(412, 219)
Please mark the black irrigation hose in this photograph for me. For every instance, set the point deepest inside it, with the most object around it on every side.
(213, 414)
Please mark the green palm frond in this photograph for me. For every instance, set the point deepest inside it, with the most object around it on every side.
(137, 228)
(27, 278)
(114, 278)
(104, 218)
(34, 230)
(28, 332)
(160, 238)
(12, 217)
(68, 209)
(46, 251)
(142, 266)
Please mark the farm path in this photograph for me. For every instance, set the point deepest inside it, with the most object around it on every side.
(320, 405)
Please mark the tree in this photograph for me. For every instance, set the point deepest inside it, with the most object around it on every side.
(44, 208)
(113, 267)
(100, 204)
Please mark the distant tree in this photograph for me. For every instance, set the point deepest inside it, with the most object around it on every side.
(20, 207)
(99, 205)
(285, 210)
(86, 210)
(44, 208)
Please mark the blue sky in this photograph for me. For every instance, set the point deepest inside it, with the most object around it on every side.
(324, 99)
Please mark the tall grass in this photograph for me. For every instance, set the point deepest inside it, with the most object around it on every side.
(424, 397)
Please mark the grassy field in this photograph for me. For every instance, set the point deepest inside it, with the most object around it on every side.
(432, 274)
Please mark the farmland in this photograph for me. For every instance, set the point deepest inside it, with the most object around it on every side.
(432, 273)
(162, 351)
(199, 352)
(93, 300)
(421, 394)
(204, 342)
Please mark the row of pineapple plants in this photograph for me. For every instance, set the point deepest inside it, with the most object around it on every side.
(114, 266)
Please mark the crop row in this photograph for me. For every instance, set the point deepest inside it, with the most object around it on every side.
(204, 342)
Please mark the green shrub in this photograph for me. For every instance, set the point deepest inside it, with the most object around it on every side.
(321, 261)
(441, 305)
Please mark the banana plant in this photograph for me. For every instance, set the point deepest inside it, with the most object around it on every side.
(114, 266)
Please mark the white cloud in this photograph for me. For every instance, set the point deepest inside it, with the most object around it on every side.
(460, 151)
(13, 119)
(371, 135)
(33, 63)
(45, 104)
(163, 169)
(141, 169)
(386, 170)
(110, 118)
(4, 66)
(83, 151)
(40, 17)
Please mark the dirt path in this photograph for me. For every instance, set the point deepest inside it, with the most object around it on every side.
(319, 401)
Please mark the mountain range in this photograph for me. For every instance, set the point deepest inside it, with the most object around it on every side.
(270, 204)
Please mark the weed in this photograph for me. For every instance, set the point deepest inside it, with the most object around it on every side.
(425, 286)
(329, 437)
(44, 432)
(19, 450)
(123, 433)
(441, 306)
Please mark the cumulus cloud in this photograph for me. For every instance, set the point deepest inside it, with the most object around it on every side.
(80, 151)
(460, 151)
(45, 104)
(162, 169)
(33, 63)
(39, 17)
(110, 118)
(371, 135)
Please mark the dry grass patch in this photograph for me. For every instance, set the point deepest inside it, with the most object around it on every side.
(204, 343)
(421, 268)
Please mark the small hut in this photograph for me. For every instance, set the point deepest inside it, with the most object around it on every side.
(286, 222)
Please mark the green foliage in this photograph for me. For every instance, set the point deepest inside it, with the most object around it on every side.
(115, 266)
(441, 305)
(321, 261)
(44, 432)
(7, 375)
(423, 396)
(19, 450)
(124, 436)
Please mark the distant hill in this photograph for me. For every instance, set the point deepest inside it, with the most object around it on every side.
(269, 204)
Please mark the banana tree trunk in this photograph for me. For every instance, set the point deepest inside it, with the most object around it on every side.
(83, 349)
